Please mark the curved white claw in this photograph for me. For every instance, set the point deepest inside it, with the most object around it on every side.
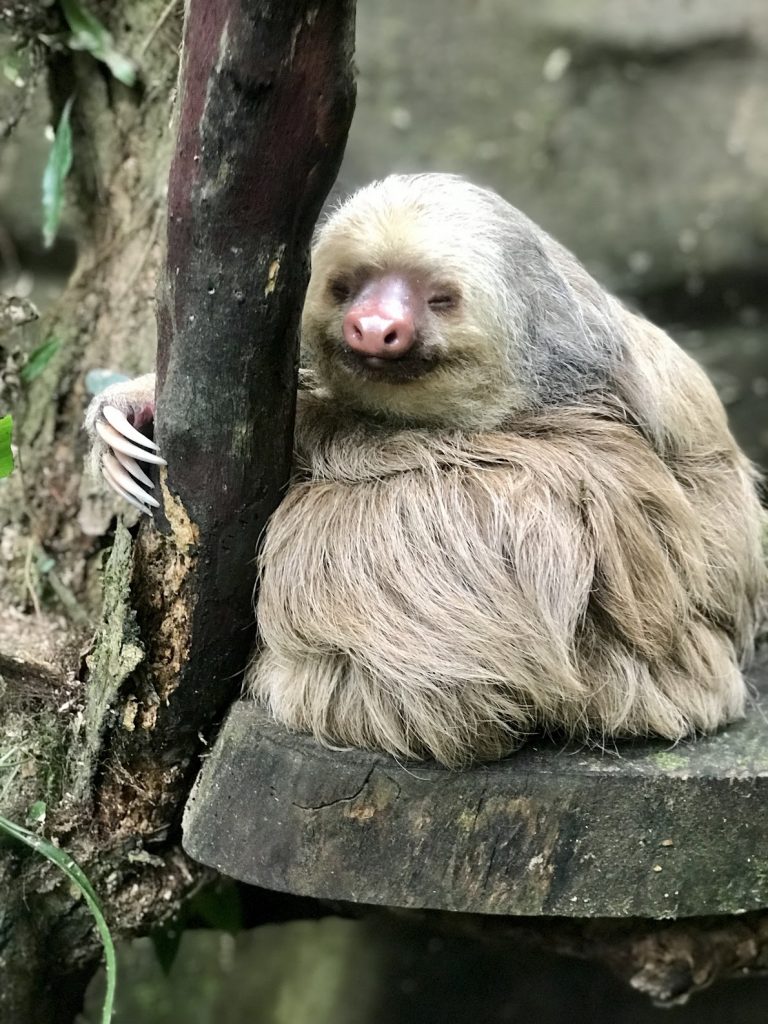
(126, 481)
(133, 468)
(115, 440)
(123, 493)
(120, 422)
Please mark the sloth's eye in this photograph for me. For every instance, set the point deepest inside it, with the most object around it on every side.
(339, 289)
(443, 302)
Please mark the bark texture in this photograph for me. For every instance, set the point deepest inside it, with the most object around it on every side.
(262, 124)
(553, 830)
(107, 731)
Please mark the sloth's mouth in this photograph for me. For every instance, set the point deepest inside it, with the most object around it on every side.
(411, 366)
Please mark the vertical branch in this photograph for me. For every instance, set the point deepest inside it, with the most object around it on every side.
(265, 101)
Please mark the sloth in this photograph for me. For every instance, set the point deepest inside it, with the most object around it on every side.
(516, 505)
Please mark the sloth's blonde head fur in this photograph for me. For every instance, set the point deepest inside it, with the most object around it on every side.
(531, 328)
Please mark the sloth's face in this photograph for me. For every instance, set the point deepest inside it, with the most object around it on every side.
(388, 326)
(399, 342)
(406, 315)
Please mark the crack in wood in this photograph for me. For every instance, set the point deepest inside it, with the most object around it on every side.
(340, 799)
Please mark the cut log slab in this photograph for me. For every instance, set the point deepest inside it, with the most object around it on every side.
(644, 830)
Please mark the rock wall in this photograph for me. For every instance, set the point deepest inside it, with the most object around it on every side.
(633, 130)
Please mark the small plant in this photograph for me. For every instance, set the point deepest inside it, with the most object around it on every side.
(89, 34)
(39, 359)
(56, 170)
(6, 455)
(86, 33)
(79, 879)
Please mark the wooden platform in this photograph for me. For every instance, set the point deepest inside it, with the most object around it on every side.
(645, 830)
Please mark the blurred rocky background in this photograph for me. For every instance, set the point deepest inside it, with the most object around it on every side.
(636, 132)
(336, 971)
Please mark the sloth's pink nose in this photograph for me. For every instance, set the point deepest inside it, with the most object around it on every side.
(380, 321)
(378, 335)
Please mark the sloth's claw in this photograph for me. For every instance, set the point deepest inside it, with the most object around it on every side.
(117, 441)
(126, 481)
(122, 424)
(133, 468)
(121, 491)
(119, 451)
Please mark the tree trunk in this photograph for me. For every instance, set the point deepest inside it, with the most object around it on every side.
(105, 318)
(107, 733)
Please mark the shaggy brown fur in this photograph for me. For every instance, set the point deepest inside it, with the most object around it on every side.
(548, 526)
(490, 551)
(443, 595)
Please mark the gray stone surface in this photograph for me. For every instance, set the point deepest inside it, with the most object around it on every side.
(642, 830)
(634, 130)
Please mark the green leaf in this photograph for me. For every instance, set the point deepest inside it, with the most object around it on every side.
(36, 813)
(79, 879)
(6, 455)
(56, 170)
(39, 359)
(89, 34)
